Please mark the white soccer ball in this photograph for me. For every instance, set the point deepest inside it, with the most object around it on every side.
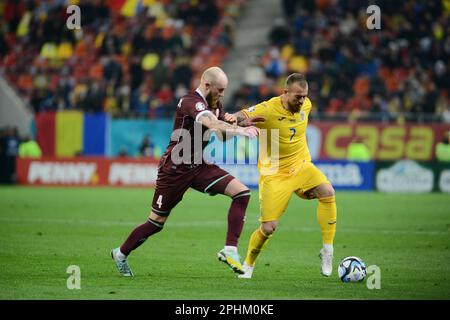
(352, 269)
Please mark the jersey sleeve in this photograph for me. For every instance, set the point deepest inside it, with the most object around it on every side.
(259, 110)
(192, 107)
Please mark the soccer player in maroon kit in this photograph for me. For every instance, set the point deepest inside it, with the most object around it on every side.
(197, 111)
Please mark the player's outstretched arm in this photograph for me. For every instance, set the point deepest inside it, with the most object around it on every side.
(244, 121)
(211, 122)
(230, 118)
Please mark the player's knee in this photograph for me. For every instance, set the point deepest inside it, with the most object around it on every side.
(268, 228)
(329, 191)
(325, 190)
(242, 197)
(157, 218)
(235, 187)
(159, 226)
(307, 195)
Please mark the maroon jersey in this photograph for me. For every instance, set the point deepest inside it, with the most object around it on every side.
(175, 178)
(190, 107)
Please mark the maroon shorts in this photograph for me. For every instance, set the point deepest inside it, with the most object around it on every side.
(171, 184)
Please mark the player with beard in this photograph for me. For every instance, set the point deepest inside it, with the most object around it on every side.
(287, 117)
(197, 111)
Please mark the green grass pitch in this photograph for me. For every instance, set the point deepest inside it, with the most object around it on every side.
(45, 230)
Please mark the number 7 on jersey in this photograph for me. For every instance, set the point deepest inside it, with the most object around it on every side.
(293, 133)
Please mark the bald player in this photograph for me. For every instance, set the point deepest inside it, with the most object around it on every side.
(199, 110)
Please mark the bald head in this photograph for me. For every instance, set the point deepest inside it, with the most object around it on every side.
(213, 84)
(214, 76)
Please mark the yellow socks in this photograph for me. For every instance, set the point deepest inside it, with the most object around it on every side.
(255, 245)
(326, 216)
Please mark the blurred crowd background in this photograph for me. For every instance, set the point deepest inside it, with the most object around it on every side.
(398, 73)
(127, 60)
(134, 59)
(137, 61)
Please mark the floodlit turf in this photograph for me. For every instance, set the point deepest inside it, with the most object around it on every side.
(45, 230)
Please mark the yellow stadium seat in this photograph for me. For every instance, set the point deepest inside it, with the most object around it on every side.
(287, 51)
(129, 8)
(49, 51)
(99, 40)
(65, 50)
(298, 64)
(148, 3)
(23, 27)
(149, 61)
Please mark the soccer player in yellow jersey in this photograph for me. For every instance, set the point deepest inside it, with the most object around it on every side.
(294, 172)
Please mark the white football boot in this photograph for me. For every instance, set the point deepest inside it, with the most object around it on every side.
(121, 264)
(326, 263)
(248, 271)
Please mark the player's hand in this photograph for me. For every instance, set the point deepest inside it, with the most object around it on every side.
(251, 132)
(252, 121)
(230, 118)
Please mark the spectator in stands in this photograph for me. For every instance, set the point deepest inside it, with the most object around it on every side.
(149, 149)
(254, 74)
(443, 149)
(13, 12)
(358, 151)
(29, 148)
(274, 65)
(123, 153)
(95, 98)
(101, 68)
(164, 101)
(3, 171)
(400, 72)
(9, 147)
(241, 97)
(280, 34)
(289, 8)
(141, 99)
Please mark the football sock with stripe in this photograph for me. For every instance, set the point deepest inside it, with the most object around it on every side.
(257, 242)
(326, 216)
(140, 234)
(236, 217)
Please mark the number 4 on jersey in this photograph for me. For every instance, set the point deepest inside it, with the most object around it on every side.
(159, 201)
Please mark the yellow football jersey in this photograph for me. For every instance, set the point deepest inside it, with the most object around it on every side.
(291, 129)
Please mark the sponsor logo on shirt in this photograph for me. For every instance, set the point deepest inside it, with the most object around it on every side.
(302, 115)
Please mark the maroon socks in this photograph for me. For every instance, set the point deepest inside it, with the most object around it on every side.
(236, 216)
(139, 235)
